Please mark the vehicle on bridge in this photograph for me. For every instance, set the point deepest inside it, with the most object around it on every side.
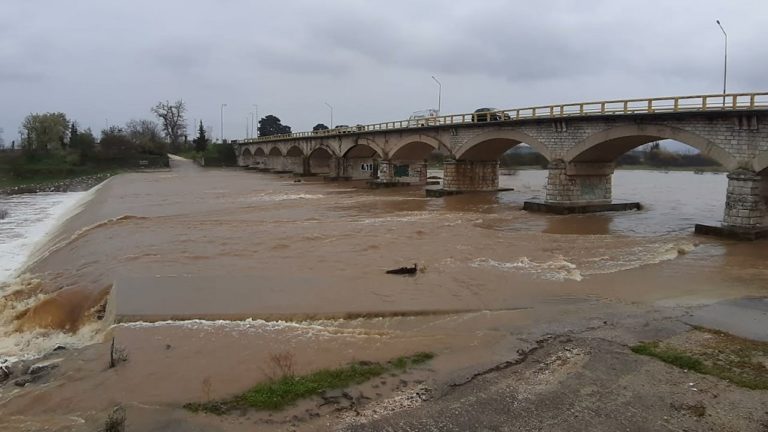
(489, 114)
(427, 117)
(342, 129)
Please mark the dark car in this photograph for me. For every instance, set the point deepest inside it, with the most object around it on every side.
(489, 114)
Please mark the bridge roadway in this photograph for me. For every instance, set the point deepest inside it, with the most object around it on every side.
(581, 141)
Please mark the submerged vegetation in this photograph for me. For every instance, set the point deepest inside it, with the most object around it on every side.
(278, 393)
(731, 358)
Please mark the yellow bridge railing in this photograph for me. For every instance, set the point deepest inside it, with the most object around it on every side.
(698, 103)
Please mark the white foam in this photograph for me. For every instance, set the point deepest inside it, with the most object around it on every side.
(558, 269)
(318, 328)
(561, 269)
(27, 345)
(31, 218)
(648, 254)
(280, 197)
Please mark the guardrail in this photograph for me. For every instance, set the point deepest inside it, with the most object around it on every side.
(709, 102)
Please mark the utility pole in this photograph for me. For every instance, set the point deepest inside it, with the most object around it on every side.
(725, 63)
(222, 121)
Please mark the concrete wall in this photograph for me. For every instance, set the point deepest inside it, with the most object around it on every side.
(471, 175)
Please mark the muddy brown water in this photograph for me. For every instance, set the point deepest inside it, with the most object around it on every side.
(305, 262)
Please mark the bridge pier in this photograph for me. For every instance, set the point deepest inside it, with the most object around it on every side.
(359, 168)
(259, 162)
(402, 172)
(469, 175)
(746, 208)
(294, 164)
(579, 183)
(579, 187)
(746, 201)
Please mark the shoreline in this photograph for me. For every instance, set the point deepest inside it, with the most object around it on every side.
(74, 184)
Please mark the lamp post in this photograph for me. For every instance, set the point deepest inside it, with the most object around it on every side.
(439, 94)
(222, 121)
(725, 63)
(329, 106)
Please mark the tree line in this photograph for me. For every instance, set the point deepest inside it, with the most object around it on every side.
(55, 132)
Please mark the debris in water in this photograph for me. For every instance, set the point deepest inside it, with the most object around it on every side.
(404, 270)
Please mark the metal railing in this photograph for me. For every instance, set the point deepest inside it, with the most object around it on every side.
(698, 103)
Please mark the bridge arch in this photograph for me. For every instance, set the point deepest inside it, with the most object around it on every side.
(363, 148)
(324, 151)
(608, 145)
(246, 157)
(259, 152)
(275, 151)
(492, 144)
(294, 151)
(414, 147)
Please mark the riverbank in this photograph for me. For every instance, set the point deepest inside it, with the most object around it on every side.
(58, 172)
(72, 184)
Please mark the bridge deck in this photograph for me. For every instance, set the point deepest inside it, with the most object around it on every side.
(660, 105)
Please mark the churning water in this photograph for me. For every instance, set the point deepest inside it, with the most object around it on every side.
(29, 218)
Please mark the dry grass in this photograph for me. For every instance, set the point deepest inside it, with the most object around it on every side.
(115, 420)
(281, 365)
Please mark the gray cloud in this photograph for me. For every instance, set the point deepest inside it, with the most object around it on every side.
(107, 62)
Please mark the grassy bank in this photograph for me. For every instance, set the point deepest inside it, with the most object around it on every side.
(710, 352)
(57, 170)
(279, 393)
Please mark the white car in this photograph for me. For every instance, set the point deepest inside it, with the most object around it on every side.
(425, 117)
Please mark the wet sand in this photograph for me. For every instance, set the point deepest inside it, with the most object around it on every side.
(220, 243)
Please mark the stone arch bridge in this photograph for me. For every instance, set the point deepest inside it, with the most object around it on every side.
(581, 142)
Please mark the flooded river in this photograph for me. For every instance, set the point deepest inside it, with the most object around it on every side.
(305, 262)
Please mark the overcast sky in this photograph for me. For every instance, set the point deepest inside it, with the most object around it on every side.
(102, 61)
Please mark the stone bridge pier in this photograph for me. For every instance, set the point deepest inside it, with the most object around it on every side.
(470, 175)
(578, 183)
(746, 201)
(411, 172)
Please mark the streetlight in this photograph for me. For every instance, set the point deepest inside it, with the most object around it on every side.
(329, 106)
(725, 64)
(439, 94)
(254, 129)
(222, 122)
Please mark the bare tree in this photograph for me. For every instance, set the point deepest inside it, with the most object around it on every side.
(171, 116)
(2, 141)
